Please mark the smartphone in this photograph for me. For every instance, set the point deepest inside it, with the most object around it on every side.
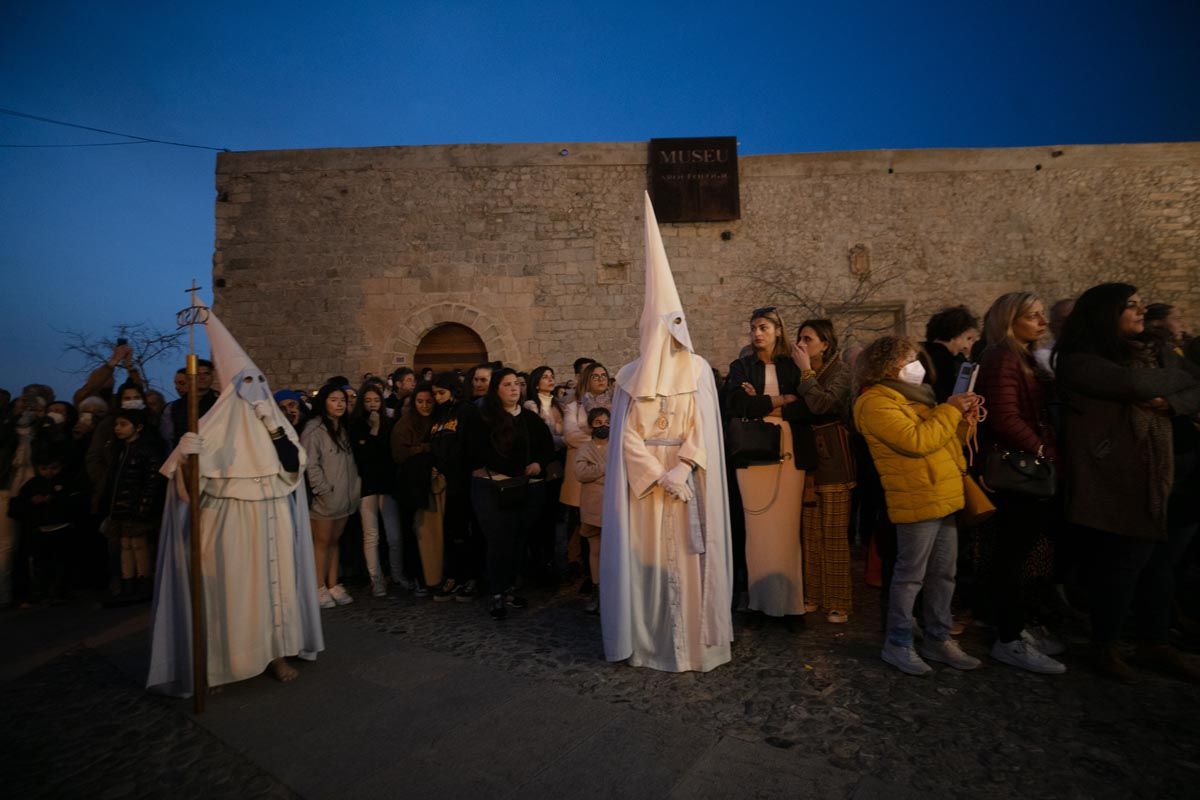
(967, 374)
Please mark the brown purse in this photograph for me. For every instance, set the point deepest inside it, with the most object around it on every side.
(977, 507)
(835, 459)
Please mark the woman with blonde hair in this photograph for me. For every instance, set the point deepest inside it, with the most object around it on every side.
(917, 446)
(761, 386)
(823, 404)
(1018, 421)
(593, 390)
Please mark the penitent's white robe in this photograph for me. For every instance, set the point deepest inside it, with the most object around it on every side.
(665, 576)
(259, 580)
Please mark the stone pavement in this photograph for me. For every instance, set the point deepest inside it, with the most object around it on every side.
(414, 698)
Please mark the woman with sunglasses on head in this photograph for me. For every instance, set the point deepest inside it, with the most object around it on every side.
(1119, 399)
(761, 385)
(592, 391)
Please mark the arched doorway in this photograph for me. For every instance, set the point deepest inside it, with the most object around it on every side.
(450, 346)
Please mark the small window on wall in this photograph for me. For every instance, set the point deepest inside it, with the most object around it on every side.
(450, 346)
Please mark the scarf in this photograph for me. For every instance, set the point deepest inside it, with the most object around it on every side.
(918, 394)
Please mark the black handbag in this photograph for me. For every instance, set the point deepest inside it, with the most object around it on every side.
(752, 441)
(1018, 473)
(511, 492)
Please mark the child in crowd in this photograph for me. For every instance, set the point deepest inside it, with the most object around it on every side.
(132, 500)
(49, 507)
(590, 459)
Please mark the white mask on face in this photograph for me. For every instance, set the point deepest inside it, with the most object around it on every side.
(133, 405)
(913, 373)
(58, 418)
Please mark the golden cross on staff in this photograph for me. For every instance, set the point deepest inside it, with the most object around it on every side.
(195, 314)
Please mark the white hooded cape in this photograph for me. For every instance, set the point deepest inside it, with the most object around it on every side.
(666, 367)
(252, 511)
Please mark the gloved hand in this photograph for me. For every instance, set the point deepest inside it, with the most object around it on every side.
(262, 410)
(675, 479)
(190, 444)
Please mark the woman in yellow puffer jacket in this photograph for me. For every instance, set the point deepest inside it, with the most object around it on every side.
(916, 444)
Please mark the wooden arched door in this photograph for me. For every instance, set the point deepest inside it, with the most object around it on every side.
(450, 346)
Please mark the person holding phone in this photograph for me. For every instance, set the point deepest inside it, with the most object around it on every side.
(1018, 419)
(917, 446)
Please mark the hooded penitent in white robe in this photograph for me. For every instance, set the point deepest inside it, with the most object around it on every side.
(260, 585)
(666, 572)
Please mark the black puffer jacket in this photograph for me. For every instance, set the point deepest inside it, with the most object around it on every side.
(135, 488)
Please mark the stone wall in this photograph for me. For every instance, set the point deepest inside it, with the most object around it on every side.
(339, 261)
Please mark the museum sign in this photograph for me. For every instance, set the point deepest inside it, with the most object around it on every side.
(695, 180)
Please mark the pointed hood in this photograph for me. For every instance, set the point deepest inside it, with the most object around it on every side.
(665, 366)
(228, 357)
(236, 444)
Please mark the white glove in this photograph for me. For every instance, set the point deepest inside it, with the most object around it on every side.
(262, 410)
(190, 444)
(675, 480)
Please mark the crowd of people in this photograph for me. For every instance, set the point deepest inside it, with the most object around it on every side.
(1079, 430)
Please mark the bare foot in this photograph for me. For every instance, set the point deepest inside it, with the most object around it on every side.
(283, 671)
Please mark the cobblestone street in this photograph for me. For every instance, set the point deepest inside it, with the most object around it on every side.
(812, 713)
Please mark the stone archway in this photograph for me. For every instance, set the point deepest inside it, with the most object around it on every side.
(497, 337)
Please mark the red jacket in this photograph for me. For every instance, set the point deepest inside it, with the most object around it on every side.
(1017, 416)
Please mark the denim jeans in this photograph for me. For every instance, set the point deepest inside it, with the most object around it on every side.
(926, 556)
(373, 505)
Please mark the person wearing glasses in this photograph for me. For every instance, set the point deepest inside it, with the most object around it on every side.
(591, 391)
(1119, 400)
(761, 385)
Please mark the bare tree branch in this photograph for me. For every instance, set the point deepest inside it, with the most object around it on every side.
(148, 342)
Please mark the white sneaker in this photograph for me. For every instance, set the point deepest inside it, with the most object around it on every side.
(340, 595)
(1040, 638)
(904, 659)
(948, 652)
(1022, 654)
(324, 599)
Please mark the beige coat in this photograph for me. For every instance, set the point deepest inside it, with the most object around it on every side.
(576, 433)
(589, 470)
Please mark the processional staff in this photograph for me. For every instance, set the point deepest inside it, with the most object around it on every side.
(195, 314)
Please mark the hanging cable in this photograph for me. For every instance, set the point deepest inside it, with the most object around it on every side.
(139, 139)
(92, 144)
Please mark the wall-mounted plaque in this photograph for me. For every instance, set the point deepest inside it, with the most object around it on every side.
(695, 180)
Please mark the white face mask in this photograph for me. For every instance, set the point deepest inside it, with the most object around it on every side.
(58, 418)
(133, 405)
(913, 373)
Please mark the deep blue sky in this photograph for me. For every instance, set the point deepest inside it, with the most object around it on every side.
(94, 236)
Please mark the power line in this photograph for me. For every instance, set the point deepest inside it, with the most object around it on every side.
(92, 144)
(140, 139)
